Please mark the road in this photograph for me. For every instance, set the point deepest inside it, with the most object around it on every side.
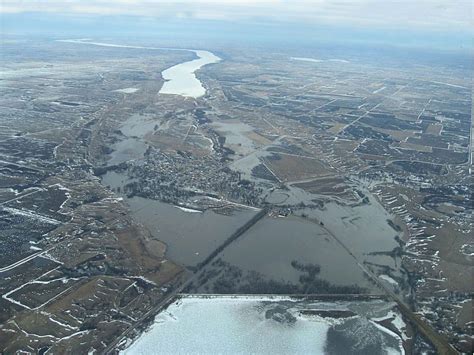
(439, 342)
(169, 298)
(111, 348)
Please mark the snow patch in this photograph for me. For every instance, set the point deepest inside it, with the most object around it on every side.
(189, 210)
(127, 90)
(388, 279)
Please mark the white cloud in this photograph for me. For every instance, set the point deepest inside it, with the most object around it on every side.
(440, 14)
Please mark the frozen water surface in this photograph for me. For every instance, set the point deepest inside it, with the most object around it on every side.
(267, 325)
(180, 78)
(228, 326)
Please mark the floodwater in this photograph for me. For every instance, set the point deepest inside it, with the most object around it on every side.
(116, 180)
(132, 146)
(272, 244)
(127, 149)
(364, 230)
(247, 163)
(190, 236)
(235, 136)
(181, 78)
(267, 325)
(138, 125)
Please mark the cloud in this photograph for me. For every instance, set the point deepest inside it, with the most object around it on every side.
(434, 14)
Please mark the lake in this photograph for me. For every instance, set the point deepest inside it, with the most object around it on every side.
(270, 325)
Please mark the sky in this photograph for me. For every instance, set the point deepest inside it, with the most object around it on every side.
(428, 14)
(440, 21)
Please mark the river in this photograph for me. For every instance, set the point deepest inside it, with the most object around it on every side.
(180, 79)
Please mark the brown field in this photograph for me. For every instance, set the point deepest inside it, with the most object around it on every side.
(459, 276)
(417, 147)
(395, 134)
(148, 254)
(455, 267)
(342, 146)
(258, 139)
(295, 168)
(373, 157)
(35, 323)
(465, 314)
(331, 186)
(34, 295)
(337, 128)
(173, 142)
(449, 241)
(86, 290)
(434, 128)
(73, 302)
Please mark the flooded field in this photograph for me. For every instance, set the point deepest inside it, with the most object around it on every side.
(366, 232)
(363, 229)
(127, 149)
(236, 136)
(189, 236)
(290, 326)
(132, 145)
(138, 125)
(273, 245)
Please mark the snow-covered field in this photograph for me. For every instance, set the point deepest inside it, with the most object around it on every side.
(315, 60)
